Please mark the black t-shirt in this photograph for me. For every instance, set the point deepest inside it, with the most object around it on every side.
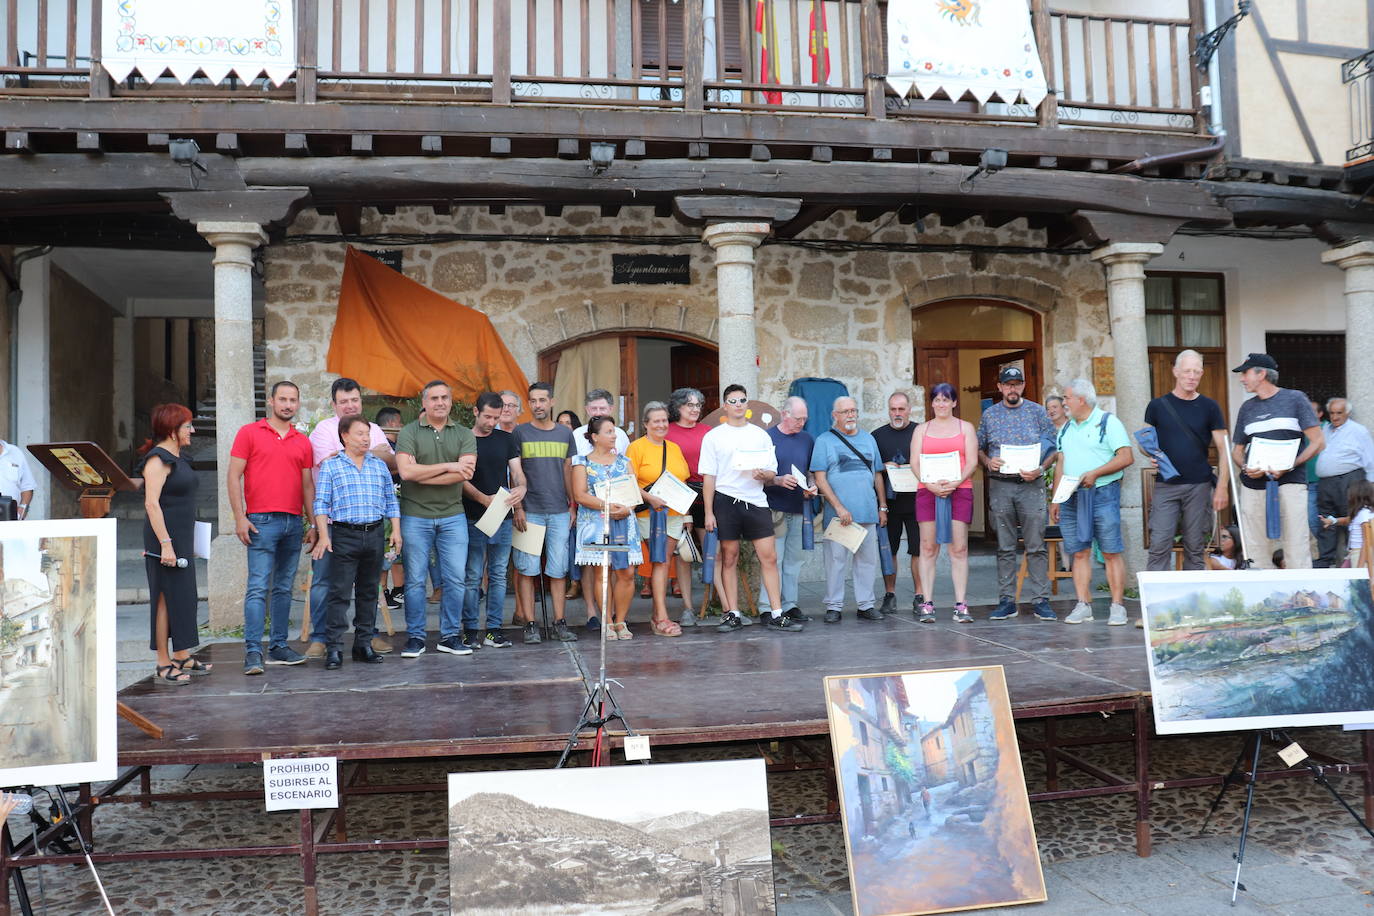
(1184, 444)
(494, 453)
(895, 445)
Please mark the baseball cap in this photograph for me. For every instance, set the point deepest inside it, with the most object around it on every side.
(1011, 374)
(1257, 361)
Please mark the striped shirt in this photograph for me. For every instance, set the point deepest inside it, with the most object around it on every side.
(1281, 416)
(359, 496)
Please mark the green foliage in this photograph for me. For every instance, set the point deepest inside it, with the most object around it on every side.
(10, 631)
(410, 408)
(900, 764)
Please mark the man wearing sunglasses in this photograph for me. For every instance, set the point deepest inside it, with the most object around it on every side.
(737, 459)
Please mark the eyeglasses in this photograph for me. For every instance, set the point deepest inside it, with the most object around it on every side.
(693, 404)
(853, 411)
(737, 401)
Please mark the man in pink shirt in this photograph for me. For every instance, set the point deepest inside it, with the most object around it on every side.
(347, 398)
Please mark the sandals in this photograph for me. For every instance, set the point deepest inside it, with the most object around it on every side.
(665, 627)
(171, 674)
(622, 631)
(193, 666)
(610, 631)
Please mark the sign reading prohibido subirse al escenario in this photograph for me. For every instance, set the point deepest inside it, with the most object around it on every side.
(301, 782)
(651, 268)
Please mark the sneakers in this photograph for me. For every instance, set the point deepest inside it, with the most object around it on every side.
(593, 624)
(1042, 610)
(562, 633)
(453, 645)
(916, 605)
(871, 613)
(252, 663)
(784, 623)
(745, 620)
(1081, 613)
(889, 605)
(925, 612)
(315, 650)
(1006, 609)
(532, 637)
(415, 647)
(1117, 617)
(961, 614)
(381, 646)
(282, 655)
(470, 641)
(796, 614)
(688, 619)
(394, 598)
(730, 622)
(494, 640)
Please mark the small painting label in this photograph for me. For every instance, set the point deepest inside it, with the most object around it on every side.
(636, 747)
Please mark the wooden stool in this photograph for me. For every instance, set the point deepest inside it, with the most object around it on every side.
(1052, 560)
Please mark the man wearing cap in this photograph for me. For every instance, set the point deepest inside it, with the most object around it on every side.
(1278, 494)
(1017, 500)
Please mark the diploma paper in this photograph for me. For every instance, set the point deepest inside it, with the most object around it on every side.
(1065, 489)
(754, 459)
(203, 534)
(624, 491)
(530, 541)
(850, 537)
(800, 478)
(901, 478)
(1272, 454)
(1018, 458)
(935, 468)
(496, 513)
(674, 492)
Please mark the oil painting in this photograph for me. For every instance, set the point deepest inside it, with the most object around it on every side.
(1266, 648)
(932, 795)
(684, 838)
(57, 651)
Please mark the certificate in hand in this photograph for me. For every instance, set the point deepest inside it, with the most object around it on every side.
(1066, 488)
(935, 468)
(1018, 458)
(530, 541)
(674, 492)
(850, 537)
(496, 513)
(901, 478)
(1272, 454)
(624, 491)
(802, 482)
(754, 459)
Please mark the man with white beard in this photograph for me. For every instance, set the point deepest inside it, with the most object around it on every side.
(848, 472)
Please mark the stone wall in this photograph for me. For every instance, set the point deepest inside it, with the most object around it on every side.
(843, 314)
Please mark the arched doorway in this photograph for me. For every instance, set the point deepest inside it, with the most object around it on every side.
(637, 366)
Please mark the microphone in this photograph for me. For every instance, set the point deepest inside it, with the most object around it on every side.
(182, 562)
(23, 804)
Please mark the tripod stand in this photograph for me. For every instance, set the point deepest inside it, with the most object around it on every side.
(65, 822)
(1239, 775)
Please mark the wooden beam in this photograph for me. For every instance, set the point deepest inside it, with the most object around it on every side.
(158, 141)
(88, 141)
(567, 148)
(432, 143)
(808, 217)
(939, 155)
(774, 210)
(1261, 204)
(228, 144)
(350, 217)
(1047, 162)
(275, 206)
(360, 144)
(1098, 228)
(496, 209)
(126, 174)
(663, 209)
(760, 153)
(297, 144)
(610, 211)
(698, 150)
(553, 210)
(386, 209)
(882, 154)
(17, 141)
(1098, 165)
(634, 149)
(441, 207)
(822, 154)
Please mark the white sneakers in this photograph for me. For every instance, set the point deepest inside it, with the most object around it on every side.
(1117, 618)
(1081, 613)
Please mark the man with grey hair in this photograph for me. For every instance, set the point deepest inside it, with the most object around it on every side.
(1094, 450)
(1186, 422)
(792, 445)
(598, 404)
(1348, 457)
(1277, 495)
(894, 445)
(510, 410)
(848, 472)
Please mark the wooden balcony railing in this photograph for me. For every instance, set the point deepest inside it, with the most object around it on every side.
(691, 55)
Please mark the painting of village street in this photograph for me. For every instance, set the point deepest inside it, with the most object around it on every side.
(56, 717)
(931, 792)
(1259, 648)
(682, 839)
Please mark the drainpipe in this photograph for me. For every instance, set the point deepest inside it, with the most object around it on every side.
(1209, 23)
(13, 298)
(1186, 155)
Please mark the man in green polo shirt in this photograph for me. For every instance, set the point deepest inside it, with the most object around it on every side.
(434, 456)
(1093, 447)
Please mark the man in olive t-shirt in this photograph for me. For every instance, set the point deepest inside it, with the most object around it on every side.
(434, 456)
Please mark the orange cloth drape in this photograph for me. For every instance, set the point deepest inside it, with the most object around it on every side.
(393, 335)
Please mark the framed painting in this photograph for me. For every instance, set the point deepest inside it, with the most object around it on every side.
(1261, 648)
(57, 651)
(619, 841)
(929, 772)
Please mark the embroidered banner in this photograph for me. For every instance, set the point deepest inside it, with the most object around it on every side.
(247, 37)
(985, 47)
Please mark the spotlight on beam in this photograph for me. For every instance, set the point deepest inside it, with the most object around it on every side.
(990, 162)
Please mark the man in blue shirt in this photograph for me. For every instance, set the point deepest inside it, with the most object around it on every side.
(1348, 457)
(792, 444)
(354, 494)
(847, 469)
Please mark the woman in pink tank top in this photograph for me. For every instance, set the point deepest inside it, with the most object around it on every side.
(942, 434)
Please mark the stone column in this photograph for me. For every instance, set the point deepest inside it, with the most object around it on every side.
(1357, 260)
(234, 243)
(734, 244)
(1125, 266)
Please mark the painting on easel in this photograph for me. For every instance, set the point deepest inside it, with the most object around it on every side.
(57, 651)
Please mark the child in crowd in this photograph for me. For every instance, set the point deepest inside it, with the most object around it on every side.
(1359, 509)
(1227, 554)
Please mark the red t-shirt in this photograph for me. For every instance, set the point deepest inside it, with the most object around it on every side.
(689, 440)
(272, 478)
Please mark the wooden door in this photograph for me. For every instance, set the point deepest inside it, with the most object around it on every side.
(695, 366)
(1216, 376)
(935, 365)
(990, 366)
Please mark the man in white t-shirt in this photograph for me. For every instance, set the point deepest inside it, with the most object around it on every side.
(736, 508)
(16, 477)
(598, 404)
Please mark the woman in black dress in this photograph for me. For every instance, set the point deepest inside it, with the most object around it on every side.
(169, 496)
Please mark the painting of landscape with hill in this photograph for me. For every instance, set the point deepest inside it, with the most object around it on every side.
(1259, 648)
(683, 839)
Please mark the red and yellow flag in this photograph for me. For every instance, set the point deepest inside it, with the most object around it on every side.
(819, 44)
(766, 27)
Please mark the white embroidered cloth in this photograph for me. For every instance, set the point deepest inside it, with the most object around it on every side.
(246, 37)
(985, 47)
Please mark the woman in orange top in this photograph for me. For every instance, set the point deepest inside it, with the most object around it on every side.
(650, 457)
(941, 434)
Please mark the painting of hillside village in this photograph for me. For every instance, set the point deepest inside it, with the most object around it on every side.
(931, 792)
(57, 701)
(682, 839)
(1259, 649)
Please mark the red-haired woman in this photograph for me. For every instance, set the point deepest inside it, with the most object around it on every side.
(169, 496)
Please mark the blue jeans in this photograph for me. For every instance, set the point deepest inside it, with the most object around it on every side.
(449, 536)
(1106, 521)
(787, 536)
(319, 597)
(1314, 522)
(491, 554)
(272, 557)
(556, 558)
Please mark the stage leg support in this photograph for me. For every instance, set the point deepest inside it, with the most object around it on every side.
(1142, 778)
(145, 786)
(312, 900)
(5, 870)
(1052, 754)
(1368, 738)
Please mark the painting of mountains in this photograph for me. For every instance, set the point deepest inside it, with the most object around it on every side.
(1259, 648)
(683, 839)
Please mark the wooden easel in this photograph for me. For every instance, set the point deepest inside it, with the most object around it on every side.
(85, 468)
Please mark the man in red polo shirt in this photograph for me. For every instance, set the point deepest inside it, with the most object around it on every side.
(270, 485)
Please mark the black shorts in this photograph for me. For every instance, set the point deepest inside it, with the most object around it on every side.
(739, 520)
(895, 525)
(698, 510)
